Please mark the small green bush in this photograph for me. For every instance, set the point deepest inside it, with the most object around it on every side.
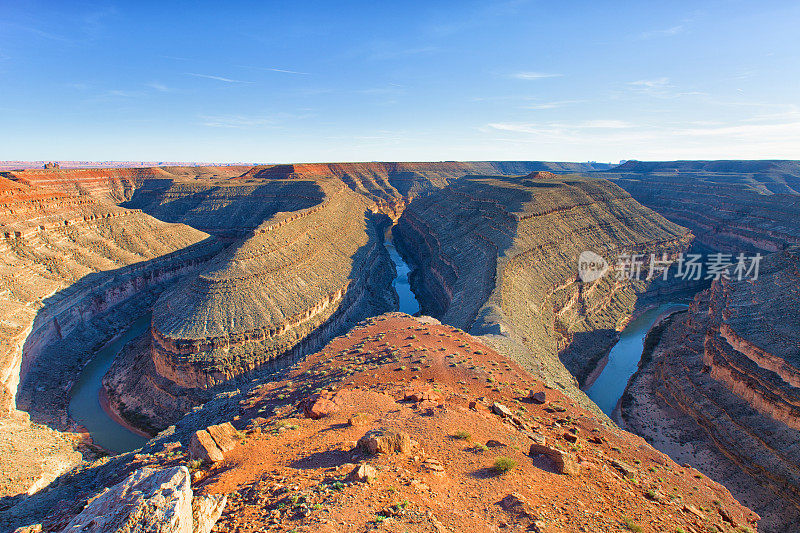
(504, 464)
(632, 526)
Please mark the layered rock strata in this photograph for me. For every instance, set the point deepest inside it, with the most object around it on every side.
(255, 302)
(724, 377)
(65, 261)
(733, 206)
(500, 256)
(298, 279)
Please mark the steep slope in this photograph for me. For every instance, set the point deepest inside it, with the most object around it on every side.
(64, 260)
(500, 255)
(734, 206)
(723, 389)
(297, 280)
(442, 410)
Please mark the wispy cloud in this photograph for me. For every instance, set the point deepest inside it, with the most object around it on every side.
(217, 78)
(160, 87)
(747, 137)
(383, 51)
(661, 87)
(653, 84)
(39, 33)
(552, 105)
(122, 93)
(236, 121)
(534, 75)
(558, 128)
(392, 88)
(667, 32)
(279, 70)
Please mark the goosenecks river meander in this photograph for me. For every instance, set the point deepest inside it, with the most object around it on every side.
(607, 389)
(84, 405)
(401, 284)
(623, 359)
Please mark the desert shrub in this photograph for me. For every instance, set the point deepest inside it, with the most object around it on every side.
(504, 464)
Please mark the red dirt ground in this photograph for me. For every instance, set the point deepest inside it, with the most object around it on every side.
(289, 472)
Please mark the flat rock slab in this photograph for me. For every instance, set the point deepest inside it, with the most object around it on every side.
(224, 435)
(203, 447)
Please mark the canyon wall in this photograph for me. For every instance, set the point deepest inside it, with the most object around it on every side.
(296, 280)
(730, 206)
(499, 256)
(52, 240)
(65, 261)
(725, 377)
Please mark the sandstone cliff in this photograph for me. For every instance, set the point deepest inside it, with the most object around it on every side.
(500, 256)
(724, 383)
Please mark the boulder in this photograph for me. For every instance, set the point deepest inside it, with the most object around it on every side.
(147, 501)
(433, 465)
(516, 504)
(563, 462)
(538, 397)
(225, 435)
(320, 405)
(203, 447)
(501, 410)
(423, 395)
(362, 472)
(387, 442)
(626, 469)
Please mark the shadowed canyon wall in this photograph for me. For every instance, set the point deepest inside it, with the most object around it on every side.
(725, 377)
(499, 256)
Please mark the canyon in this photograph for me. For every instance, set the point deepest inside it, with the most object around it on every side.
(247, 271)
(721, 389)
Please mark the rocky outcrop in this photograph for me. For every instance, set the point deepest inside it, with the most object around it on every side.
(329, 474)
(499, 256)
(725, 378)
(257, 302)
(151, 501)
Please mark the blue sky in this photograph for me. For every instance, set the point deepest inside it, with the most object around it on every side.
(357, 81)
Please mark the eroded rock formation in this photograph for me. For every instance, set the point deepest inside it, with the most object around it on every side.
(299, 278)
(732, 206)
(500, 256)
(724, 383)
